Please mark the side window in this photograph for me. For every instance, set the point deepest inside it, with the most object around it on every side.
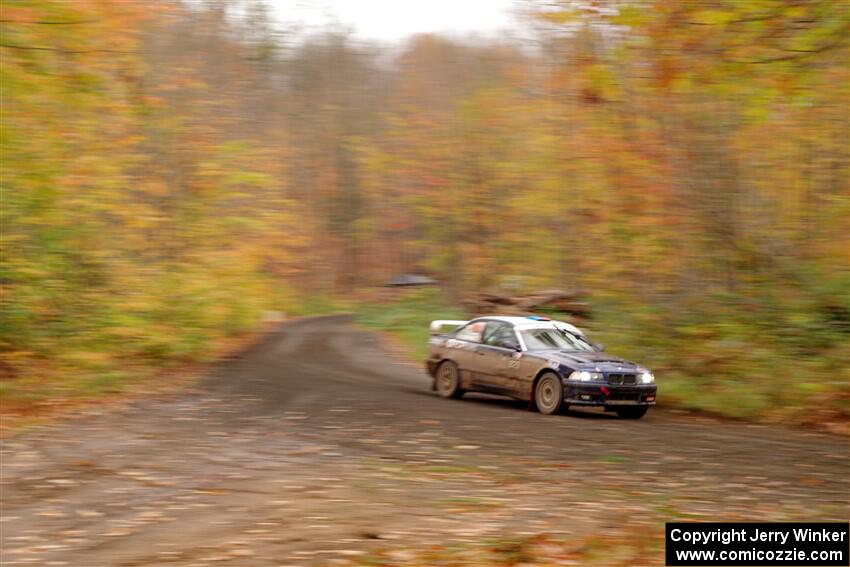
(499, 334)
(472, 332)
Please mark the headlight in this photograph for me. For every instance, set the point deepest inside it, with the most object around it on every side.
(647, 378)
(585, 376)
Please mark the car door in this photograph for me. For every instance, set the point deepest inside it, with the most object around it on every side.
(498, 356)
(465, 345)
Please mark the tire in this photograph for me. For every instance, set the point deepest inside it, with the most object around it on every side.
(632, 412)
(447, 380)
(549, 394)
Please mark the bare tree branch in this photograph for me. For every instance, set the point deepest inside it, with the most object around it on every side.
(49, 22)
(60, 50)
(797, 53)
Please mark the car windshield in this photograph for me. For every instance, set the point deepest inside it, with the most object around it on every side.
(544, 339)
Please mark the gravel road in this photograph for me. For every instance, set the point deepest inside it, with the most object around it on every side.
(316, 446)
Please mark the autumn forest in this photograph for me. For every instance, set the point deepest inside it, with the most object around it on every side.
(171, 171)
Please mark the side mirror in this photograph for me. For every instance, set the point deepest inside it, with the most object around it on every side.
(509, 344)
(599, 347)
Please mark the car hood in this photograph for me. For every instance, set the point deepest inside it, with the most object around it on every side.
(581, 358)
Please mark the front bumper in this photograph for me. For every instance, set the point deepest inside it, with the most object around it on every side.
(609, 395)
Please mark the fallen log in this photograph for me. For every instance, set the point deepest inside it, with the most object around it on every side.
(565, 301)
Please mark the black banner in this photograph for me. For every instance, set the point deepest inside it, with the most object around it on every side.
(752, 543)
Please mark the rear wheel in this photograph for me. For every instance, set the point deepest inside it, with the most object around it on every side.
(632, 412)
(448, 380)
(549, 394)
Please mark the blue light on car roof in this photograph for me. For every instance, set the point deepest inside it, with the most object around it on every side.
(538, 318)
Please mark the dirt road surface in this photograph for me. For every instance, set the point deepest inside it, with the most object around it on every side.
(316, 446)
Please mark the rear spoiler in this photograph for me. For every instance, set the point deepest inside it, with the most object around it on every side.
(436, 326)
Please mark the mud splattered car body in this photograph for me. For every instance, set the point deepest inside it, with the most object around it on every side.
(550, 363)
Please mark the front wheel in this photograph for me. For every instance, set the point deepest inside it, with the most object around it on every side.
(632, 412)
(549, 394)
(448, 380)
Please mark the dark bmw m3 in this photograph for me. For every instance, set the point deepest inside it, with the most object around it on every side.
(551, 364)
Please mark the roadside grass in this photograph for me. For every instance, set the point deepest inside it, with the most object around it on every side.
(612, 459)
(733, 363)
(407, 317)
(318, 304)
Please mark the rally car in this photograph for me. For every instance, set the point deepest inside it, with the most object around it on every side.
(550, 364)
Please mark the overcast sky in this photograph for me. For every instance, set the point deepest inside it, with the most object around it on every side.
(393, 19)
